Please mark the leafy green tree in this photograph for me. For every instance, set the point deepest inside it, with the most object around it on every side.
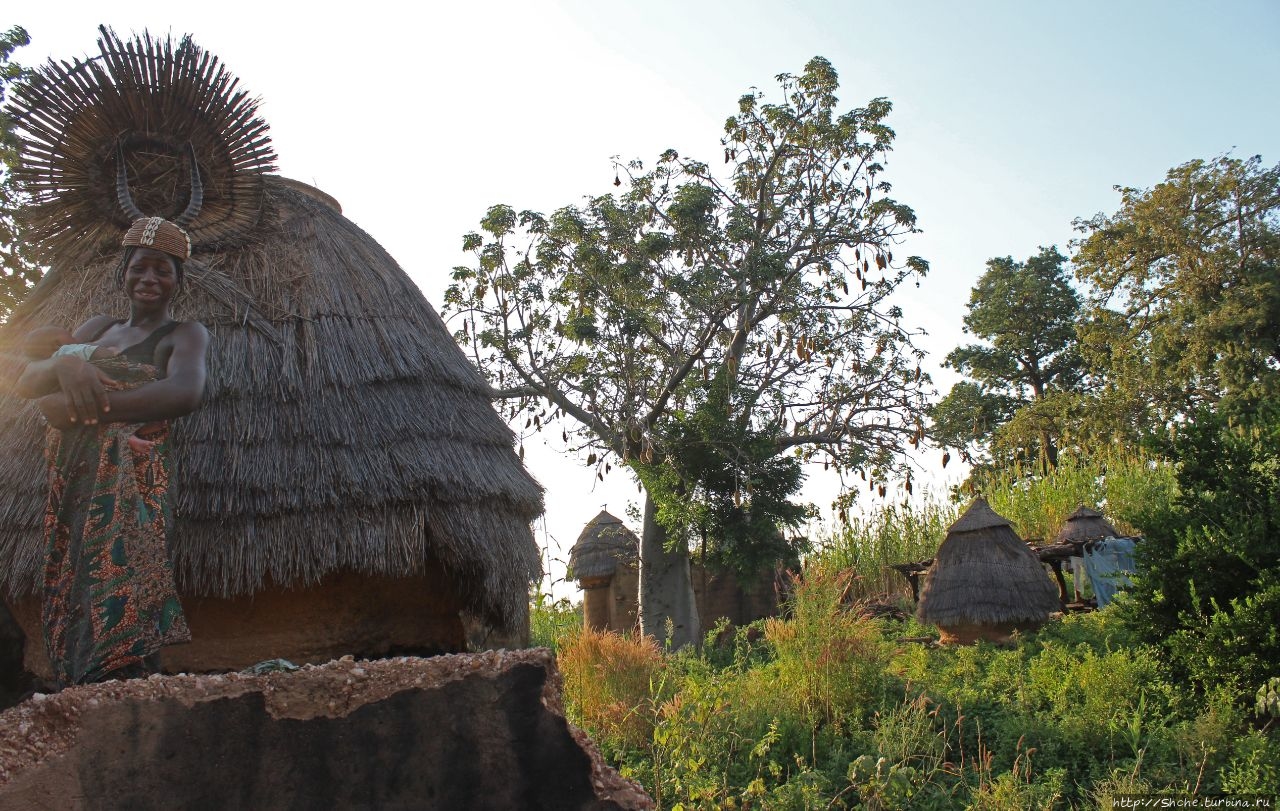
(1186, 308)
(724, 484)
(1025, 312)
(1183, 325)
(17, 271)
(1209, 584)
(741, 317)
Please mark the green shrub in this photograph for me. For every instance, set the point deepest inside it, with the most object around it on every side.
(1235, 644)
(1254, 767)
(829, 661)
(550, 619)
(1209, 570)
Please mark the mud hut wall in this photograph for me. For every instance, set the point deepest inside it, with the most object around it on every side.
(365, 616)
(726, 595)
(721, 595)
(597, 602)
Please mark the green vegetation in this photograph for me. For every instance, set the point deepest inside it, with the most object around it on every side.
(1131, 487)
(1210, 590)
(828, 710)
(1026, 312)
(825, 708)
(18, 271)
(867, 545)
(550, 620)
(1184, 307)
(1128, 486)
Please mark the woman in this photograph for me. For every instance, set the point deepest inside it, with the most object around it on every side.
(109, 595)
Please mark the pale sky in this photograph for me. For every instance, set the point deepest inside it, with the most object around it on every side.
(1013, 118)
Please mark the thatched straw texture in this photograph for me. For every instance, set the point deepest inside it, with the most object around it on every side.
(152, 99)
(985, 574)
(1085, 524)
(604, 543)
(342, 428)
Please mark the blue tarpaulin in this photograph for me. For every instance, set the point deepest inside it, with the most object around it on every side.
(1109, 563)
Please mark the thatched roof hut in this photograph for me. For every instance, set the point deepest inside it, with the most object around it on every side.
(605, 542)
(985, 582)
(1085, 524)
(343, 432)
(604, 562)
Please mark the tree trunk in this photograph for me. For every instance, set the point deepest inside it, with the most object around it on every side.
(1048, 453)
(666, 589)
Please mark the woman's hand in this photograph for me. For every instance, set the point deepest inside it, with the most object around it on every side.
(54, 408)
(84, 395)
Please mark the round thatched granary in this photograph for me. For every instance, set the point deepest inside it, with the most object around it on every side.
(1082, 526)
(346, 486)
(985, 582)
(1085, 524)
(603, 561)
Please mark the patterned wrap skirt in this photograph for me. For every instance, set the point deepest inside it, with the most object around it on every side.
(109, 593)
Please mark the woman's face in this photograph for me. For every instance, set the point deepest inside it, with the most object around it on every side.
(150, 278)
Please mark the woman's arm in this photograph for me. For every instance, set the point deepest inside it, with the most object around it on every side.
(177, 394)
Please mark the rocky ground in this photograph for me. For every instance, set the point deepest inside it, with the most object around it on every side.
(425, 724)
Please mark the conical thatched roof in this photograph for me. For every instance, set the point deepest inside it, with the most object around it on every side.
(985, 574)
(342, 427)
(604, 543)
(1085, 524)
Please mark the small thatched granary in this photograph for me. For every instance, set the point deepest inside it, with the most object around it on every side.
(1082, 526)
(604, 562)
(346, 486)
(985, 582)
(1086, 531)
(1085, 524)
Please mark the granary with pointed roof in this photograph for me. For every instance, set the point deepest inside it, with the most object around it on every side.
(985, 582)
(1102, 556)
(346, 486)
(605, 563)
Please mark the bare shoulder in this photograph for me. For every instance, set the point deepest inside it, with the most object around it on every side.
(94, 327)
(191, 333)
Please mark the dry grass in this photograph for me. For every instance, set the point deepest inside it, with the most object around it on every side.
(608, 684)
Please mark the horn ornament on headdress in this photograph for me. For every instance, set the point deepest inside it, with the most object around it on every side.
(157, 232)
(125, 199)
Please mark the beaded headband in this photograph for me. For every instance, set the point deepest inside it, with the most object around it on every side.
(160, 234)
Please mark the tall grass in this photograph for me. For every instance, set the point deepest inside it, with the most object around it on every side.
(1124, 485)
(829, 661)
(868, 545)
(551, 620)
(608, 679)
